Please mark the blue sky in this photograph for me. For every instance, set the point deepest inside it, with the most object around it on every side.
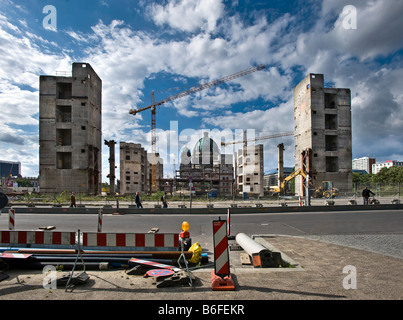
(137, 47)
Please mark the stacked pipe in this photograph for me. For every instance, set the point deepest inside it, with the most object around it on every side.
(92, 259)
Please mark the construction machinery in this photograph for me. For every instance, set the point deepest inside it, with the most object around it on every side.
(276, 190)
(177, 96)
(327, 190)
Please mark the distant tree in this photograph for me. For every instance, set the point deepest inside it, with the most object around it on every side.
(23, 182)
(390, 175)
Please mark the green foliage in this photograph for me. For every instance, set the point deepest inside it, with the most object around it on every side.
(392, 175)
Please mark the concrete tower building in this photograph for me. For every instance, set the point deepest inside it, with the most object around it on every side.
(250, 171)
(322, 134)
(136, 169)
(70, 135)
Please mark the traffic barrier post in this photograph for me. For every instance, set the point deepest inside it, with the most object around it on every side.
(11, 220)
(100, 218)
(221, 279)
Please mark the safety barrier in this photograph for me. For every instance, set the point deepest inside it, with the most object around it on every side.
(91, 240)
(37, 238)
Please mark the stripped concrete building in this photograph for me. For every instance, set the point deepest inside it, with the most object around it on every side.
(136, 169)
(70, 131)
(250, 171)
(322, 134)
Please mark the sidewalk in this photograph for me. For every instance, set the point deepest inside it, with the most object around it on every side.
(319, 276)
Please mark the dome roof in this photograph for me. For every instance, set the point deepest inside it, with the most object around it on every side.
(185, 155)
(206, 148)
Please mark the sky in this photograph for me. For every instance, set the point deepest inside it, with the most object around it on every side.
(137, 47)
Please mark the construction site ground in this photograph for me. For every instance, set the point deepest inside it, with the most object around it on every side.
(317, 275)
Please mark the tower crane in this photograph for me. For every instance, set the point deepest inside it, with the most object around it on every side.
(245, 140)
(177, 96)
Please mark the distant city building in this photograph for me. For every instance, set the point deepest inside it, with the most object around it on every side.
(250, 170)
(70, 131)
(376, 167)
(205, 169)
(271, 177)
(10, 168)
(364, 163)
(136, 169)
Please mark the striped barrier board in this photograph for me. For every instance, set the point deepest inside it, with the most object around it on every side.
(37, 238)
(141, 241)
(6, 255)
(221, 256)
(154, 264)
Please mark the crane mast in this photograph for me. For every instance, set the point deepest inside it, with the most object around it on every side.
(177, 96)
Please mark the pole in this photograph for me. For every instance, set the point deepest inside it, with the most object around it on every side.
(100, 217)
(11, 220)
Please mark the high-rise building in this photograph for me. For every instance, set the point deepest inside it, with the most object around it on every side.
(376, 167)
(322, 133)
(10, 168)
(364, 163)
(70, 131)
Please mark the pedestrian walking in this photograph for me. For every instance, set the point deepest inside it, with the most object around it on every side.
(366, 194)
(73, 200)
(164, 201)
(138, 200)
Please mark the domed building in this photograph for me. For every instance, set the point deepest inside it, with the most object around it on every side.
(206, 152)
(206, 168)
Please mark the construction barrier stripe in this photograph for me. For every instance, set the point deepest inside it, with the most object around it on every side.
(154, 264)
(11, 221)
(167, 240)
(221, 259)
(130, 240)
(37, 237)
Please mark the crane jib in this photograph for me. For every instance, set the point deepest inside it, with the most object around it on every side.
(202, 87)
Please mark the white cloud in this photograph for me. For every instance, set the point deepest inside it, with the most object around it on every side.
(188, 15)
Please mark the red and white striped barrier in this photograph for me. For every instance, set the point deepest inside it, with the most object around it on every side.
(221, 258)
(154, 264)
(11, 220)
(163, 240)
(153, 241)
(6, 255)
(37, 238)
(221, 279)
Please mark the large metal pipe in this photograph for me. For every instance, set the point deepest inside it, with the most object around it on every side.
(261, 256)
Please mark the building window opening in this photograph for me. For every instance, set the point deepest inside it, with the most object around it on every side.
(63, 160)
(330, 100)
(331, 143)
(63, 113)
(331, 121)
(63, 137)
(63, 90)
(332, 164)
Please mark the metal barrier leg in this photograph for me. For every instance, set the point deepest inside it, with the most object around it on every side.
(184, 259)
(78, 256)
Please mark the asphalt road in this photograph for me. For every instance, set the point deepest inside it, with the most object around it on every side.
(382, 228)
